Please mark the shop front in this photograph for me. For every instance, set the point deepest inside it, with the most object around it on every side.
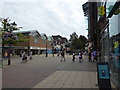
(110, 40)
(114, 41)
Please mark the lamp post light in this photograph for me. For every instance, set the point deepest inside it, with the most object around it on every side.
(11, 35)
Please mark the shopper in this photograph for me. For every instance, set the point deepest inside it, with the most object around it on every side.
(95, 55)
(6, 55)
(62, 55)
(30, 55)
(92, 57)
(73, 59)
(80, 56)
(23, 56)
(89, 57)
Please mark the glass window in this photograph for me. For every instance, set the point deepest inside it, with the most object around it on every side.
(109, 5)
(105, 45)
(114, 44)
(36, 38)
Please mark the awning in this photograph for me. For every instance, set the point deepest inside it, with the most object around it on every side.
(114, 9)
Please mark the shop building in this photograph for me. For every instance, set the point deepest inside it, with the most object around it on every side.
(110, 39)
(90, 11)
(35, 43)
(59, 42)
(104, 34)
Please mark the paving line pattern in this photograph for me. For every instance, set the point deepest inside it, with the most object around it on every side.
(70, 79)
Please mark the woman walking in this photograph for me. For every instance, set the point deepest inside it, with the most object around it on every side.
(30, 55)
(80, 56)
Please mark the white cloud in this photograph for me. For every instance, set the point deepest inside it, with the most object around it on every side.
(48, 16)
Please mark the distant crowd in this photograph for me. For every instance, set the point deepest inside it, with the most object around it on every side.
(93, 55)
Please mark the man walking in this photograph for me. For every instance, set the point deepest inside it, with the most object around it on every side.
(89, 57)
(23, 56)
(73, 59)
(62, 55)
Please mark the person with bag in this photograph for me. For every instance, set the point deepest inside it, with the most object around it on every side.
(6, 55)
(73, 59)
(62, 55)
(80, 56)
(30, 55)
(25, 57)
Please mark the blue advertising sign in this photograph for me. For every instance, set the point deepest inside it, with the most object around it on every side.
(103, 72)
(103, 76)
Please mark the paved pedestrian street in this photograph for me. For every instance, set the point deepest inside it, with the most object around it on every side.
(70, 79)
(49, 72)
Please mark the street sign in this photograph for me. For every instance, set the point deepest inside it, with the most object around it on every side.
(103, 75)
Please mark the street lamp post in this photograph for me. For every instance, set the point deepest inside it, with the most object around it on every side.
(9, 51)
(9, 35)
(9, 44)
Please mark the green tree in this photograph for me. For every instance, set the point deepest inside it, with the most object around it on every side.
(83, 40)
(7, 29)
(77, 43)
(8, 37)
(73, 36)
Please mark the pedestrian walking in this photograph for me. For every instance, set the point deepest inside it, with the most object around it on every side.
(85, 53)
(73, 59)
(62, 55)
(23, 56)
(6, 55)
(98, 56)
(89, 57)
(95, 55)
(30, 55)
(21, 53)
(92, 57)
(80, 56)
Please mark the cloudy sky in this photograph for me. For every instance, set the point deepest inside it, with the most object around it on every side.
(52, 17)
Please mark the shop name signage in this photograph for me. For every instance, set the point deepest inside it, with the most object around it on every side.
(101, 10)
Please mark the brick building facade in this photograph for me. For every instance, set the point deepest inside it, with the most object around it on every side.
(34, 43)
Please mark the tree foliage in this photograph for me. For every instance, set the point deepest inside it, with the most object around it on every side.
(77, 43)
(7, 35)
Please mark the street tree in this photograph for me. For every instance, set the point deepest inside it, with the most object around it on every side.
(77, 43)
(83, 40)
(8, 37)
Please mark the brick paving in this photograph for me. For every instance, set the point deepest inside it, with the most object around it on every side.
(28, 75)
(70, 79)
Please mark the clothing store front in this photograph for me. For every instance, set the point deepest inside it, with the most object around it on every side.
(111, 42)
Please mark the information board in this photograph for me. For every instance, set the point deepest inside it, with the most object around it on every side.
(103, 72)
(103, 75)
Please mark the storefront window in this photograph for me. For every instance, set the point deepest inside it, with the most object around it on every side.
(0, 48)
(36, 38)
(114, 36)
(105, 45)
(109, 5)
